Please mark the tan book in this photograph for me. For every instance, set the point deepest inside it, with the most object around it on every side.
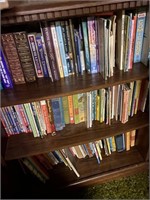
(127, 140)
(132, 138)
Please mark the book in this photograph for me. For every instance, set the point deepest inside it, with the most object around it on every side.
(86, 45)
(46, 116)
(5, 75)
(120, 142)
(120, 39)
(71, 112)
(47, 35)
(56, 108)
(92, 43)
(76, 109)
(11, 53)
(25, 56)
(139, 36)
(42, 56)
(127, 140)
(35, 54)
(57, 50)
(132, 138)
(61, 47)
(66, 109)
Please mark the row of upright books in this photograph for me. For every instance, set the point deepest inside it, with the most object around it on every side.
(44, 117)
(63, 48)
(40, 165)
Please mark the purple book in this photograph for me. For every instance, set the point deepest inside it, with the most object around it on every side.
(6, 79)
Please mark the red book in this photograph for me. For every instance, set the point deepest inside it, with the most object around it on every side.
(46, 116)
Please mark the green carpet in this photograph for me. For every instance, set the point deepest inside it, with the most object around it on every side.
(133, 187)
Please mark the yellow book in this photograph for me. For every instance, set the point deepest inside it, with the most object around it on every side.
(138, 88)
(66, 109)
(98, 150)
(132, 138)
(127, 141)
(113, 144)
(76, 109)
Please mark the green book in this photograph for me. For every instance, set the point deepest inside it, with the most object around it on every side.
(76, 109)
(31, 119)
(66, 109)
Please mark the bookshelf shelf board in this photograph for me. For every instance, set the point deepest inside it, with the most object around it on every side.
(43, 88)
(23, 145)
(23, 12)
(89, 169)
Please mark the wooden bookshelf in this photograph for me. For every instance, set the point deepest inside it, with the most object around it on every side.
(43, 88)
(24, 145)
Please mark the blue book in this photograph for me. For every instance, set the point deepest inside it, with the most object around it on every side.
(41, 54)
(120, 142)
(61, 47)
(139, 36)
(4, 72)
(77, 49)
(1, 87)
(57, 114)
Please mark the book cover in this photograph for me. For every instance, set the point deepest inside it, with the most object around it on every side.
(127, 140)
(81, 105)
(11, 53)
(139, 36)
(25, 56)
(41, 54)
(6, 80)
(132, 138)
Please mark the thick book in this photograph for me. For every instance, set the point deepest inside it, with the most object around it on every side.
(25, 55)
(5, 75)
(46, 31)
(66, 109)
(11, 53)
(139, 36)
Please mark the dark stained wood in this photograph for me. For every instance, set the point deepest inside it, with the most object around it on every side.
(23, 145)
(53, 10)
(43, 88)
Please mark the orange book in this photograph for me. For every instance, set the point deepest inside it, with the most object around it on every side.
(71, 113)
(46, 116)
(132, 138)
(127, 141)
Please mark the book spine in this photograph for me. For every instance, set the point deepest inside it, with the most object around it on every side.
(92, 43)
(4, 123)
(133, 42)
(132, 138)
(69, 46)
(46, 57)
(4, 72)
(25, 56)
(130, 44)
(57, 113)
(20, 127)
(11, 54)
(139, 36)
(76, 108)
(77, 49)
(35, 56)
(8, 124)
(51, 117)
(66, 109)
(41, 54)
(31, 119)
(50, 50)
(66, 46)
(57, 50)
(71, 26)
(61, 47)
(46, 116)
(127, 140)
(71, 113)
